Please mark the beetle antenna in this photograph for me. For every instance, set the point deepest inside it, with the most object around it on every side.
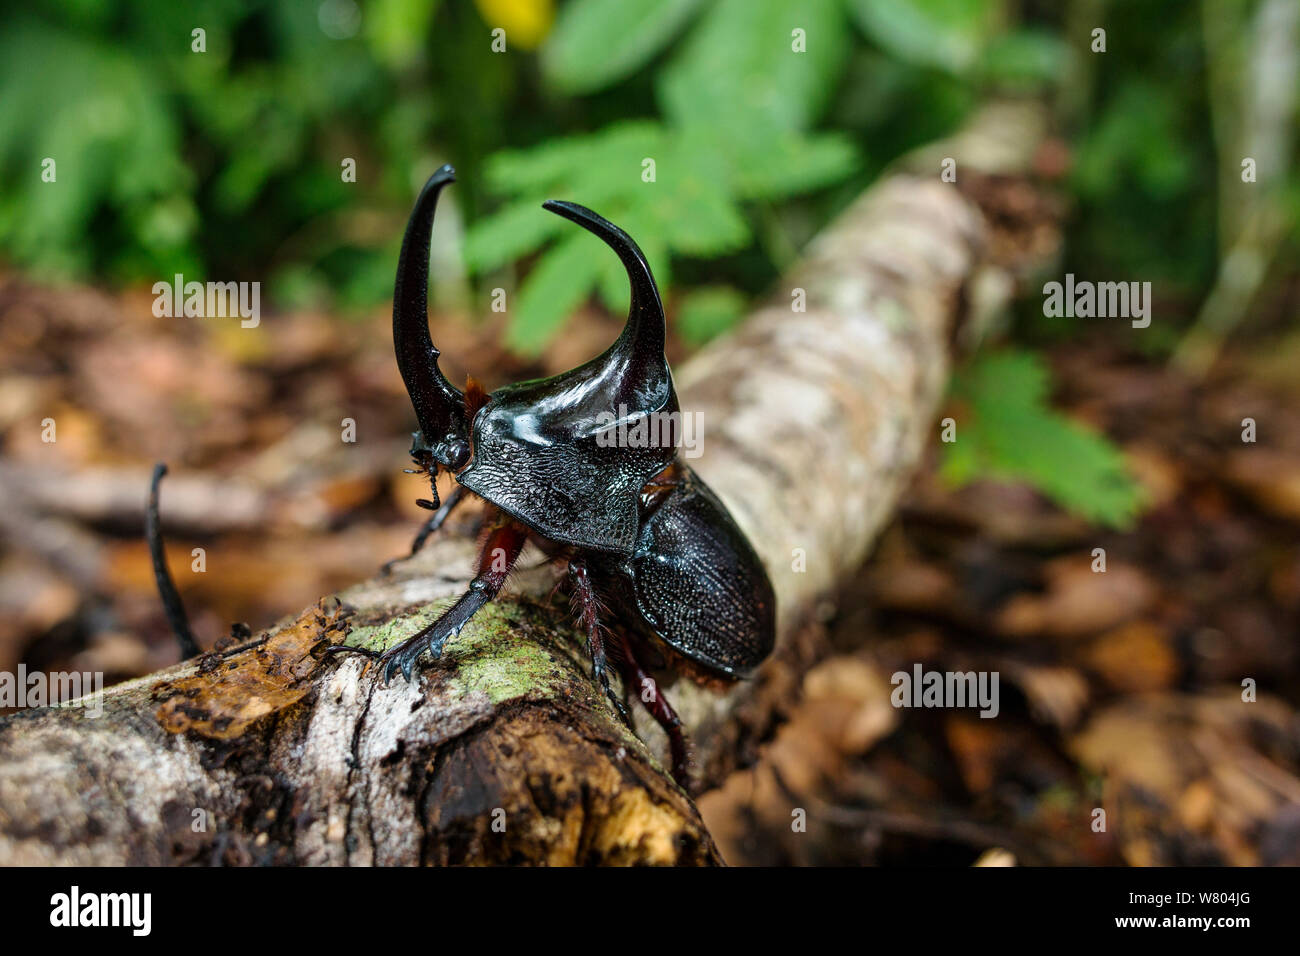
(645, 316)
(171, 599)
(439, 407)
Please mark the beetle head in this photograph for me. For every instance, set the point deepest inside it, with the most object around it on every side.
(541, 450)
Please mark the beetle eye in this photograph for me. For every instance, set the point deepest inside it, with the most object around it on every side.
(457, 452)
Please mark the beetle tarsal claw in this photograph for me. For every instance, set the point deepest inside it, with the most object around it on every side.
(403, 657)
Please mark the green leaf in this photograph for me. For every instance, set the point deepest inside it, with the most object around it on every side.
(739, 70)
(1026, 59)
(513, 231)
(116, 147)
(691, 201)
(1140, 134)
(1012, 433)
(636, 221)
(708, 312)
(739, 95)
(608, 158)
(653, 247)
(947, 34)
(396, 30)
(793, 164)
(595, 43)
(558, 284)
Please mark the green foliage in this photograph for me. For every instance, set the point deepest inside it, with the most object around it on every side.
(1136, 141)
(762, 118)
(113, 141)
(738, 100)
(1024, 60)
(558, 284)
(1144, 165)
(171, 160)
(945, 34)
(737, 74)
(225, 164)
(708, 312)
(1008, 431)
(596, 42)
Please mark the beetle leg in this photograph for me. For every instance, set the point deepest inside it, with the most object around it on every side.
(434, 522)
(647, 688)
(587, 609)
(498, 556)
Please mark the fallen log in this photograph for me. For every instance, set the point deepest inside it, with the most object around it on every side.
(816, 411)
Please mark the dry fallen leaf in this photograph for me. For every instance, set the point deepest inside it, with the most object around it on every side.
(1078, 601)
(1193, 778)
(1134, 657)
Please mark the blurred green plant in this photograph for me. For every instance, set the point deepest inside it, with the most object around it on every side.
(224, 160)
(739, 96)
(1007, 430)
(226, 163)
(105, 137)
(707, 312)
(221, 153)
(737, 99)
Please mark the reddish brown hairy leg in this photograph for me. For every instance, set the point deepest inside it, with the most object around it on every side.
(587, 609)
(639, 682)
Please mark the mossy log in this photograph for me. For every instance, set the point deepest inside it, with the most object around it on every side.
(815, 413)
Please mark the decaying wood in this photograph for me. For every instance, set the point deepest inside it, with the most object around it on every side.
(505, 751)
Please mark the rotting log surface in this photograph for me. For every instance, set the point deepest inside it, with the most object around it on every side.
(504, 751)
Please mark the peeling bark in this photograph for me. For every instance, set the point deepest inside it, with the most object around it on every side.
(505, 751)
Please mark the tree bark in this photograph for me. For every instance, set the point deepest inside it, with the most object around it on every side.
(815, 413)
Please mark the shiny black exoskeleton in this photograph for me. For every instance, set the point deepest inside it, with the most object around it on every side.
(639, 531)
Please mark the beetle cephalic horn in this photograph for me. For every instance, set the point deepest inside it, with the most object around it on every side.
(439, 406)
(644, 333)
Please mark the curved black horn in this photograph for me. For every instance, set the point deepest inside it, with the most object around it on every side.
(645, 316)
(439, 405)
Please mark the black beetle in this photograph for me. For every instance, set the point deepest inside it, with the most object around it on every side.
(639, 531)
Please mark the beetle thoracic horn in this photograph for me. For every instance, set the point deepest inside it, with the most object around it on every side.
(439, 405)
(644, 333)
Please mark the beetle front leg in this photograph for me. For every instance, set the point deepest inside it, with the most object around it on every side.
(500, 552)
(496, 559)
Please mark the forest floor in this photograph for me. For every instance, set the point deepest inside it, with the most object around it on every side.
(1119, 691)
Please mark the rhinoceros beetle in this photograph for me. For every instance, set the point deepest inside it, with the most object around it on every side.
(641, 534)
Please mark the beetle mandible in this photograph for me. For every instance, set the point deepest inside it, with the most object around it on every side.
(639, 531)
